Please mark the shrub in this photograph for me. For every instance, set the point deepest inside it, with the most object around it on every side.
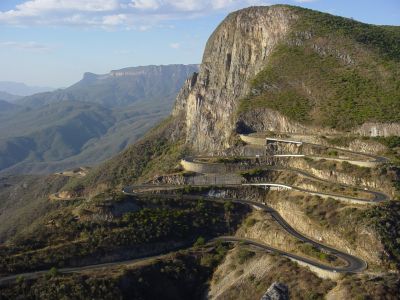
(250, 222)
(199, 242)
(244, 255)
(53, 272)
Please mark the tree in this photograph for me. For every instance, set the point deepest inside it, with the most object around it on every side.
(228, 207)
(199, 242)
(53, 272)
(20, 279)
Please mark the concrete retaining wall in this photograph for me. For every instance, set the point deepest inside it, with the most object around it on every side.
(214, 179)
(202, 168)
(253, 150)
(217, 168)
(324, 274)
(252, 140)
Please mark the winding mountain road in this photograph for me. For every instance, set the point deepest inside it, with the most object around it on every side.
(36, 274)
(353, 264)
(376, 196)
(252, 140)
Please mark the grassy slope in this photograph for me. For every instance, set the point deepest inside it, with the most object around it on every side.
(24, 199)
(346, 73)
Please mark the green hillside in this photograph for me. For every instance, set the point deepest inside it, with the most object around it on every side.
(333, 72)
(316, 215)
(54, 131)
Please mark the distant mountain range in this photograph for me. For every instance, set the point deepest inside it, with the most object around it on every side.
(9, 97)
(88, 122)
(20, 89)
(6, 106)
(120, 88)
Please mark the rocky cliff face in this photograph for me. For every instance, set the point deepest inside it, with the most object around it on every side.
(379, 129)
(236, 51)
(245, 44)
(277, 291)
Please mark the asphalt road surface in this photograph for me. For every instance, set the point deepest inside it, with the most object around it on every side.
(353, 264)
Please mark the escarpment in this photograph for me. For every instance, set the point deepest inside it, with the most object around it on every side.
(236, 52)
(262, 168)
(288, 69)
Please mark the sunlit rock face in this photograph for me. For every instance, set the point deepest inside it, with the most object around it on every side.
(237, 50)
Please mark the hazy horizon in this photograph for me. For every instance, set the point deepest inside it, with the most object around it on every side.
(54, 42)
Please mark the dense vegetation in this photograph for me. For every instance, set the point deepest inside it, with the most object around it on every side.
(332, 72)
(384, 218)
(91, 233)
(179, 276)
(385, 39)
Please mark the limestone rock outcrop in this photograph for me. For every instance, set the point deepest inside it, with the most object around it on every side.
(379, 129)
(241, 47)
(237, 50)
(277, 291)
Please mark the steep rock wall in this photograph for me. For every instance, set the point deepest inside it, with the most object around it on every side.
(239, 49)
(235, 53)
(379, 129)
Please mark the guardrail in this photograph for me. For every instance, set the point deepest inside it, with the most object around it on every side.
(277, 186)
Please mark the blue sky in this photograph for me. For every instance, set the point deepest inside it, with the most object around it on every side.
(53, 42)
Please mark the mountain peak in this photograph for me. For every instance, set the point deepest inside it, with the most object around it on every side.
(286, 68)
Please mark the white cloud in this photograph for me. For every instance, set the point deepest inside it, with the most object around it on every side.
(39, 7)
(175, 45)
(29, 46)
(145, 4)
(188, 5)
(143, 27)
(113, 20)
(124, 14)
